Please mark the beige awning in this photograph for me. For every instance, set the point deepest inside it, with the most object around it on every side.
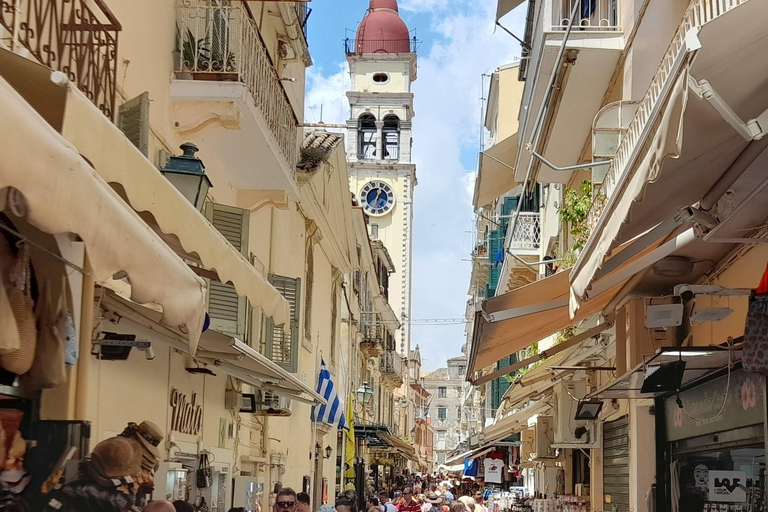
(504, 6)
(679, 146)
(469, 455)
(122, 165)
(63, 194)
(495, 171)
(513, 321)
(512, 424)
(223, 353)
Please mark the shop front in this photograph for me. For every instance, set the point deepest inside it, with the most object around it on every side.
(714, 451)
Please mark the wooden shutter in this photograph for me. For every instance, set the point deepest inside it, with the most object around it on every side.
(228, 311)
(133, 120)
(309, 284)
(282, 347)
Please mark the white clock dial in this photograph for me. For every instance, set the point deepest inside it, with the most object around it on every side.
(377, 198)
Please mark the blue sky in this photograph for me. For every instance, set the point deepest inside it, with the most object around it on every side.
(459, 45)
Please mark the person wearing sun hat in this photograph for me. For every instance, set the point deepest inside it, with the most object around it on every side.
(104, 483)
(433, 503)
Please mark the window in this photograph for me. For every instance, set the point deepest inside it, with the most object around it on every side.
(334, 318)
(391, 134)
(458, 413)
(462, 369)
(440, 458)
(366, 137)
(374, 231)
(282, 348)
(441, 438)
(441, 392)
(380, 78)
(441, 413)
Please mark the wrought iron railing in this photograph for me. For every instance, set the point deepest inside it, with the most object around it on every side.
(527, 233)
(372, 328)
(392, 363)
(381, 46)
(592, 15)
(698, 13)
(68, 36)
(222, 42)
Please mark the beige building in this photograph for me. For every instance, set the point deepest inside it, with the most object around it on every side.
(205, 289)
(638, 130)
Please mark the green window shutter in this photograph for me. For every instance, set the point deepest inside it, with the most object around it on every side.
(228, 310)
(133, 120)
(283, 348)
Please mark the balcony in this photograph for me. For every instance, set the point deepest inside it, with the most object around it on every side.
(591, 55)
(391, 367)
(527, 236)
(229, 96)
(68, 36)
(372, 329)
(383, 46)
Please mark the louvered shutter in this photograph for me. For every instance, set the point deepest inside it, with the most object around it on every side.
(225, 307)
(282, 347)
(133, 120)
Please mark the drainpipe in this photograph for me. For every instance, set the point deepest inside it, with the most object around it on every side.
(736, 169)
(86, 333)
(539, 123)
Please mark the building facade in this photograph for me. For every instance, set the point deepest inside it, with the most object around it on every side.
(609, 92)
(445, 385)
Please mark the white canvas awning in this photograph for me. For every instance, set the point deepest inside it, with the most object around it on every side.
(63, 194)
(118, 162)
(495, 171)
(504, 6)
(680, 145)
(513, 423)
(223, 353)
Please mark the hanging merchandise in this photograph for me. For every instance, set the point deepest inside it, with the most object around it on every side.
(48, 369)
(470, 467)
(9, 336)
(20, 298)
(755, 358)
(493, 469)
(71, 347)
(204, 472)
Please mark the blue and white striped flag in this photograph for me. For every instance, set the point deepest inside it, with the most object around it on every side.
(332, 412)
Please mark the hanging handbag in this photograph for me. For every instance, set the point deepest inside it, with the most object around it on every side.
(204, 472)
(48, 367)
(755, 357)
(9, 330)
(23, 307)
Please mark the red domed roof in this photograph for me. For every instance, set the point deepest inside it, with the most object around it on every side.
(382, 30)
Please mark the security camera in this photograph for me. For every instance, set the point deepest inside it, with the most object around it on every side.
(687, 291)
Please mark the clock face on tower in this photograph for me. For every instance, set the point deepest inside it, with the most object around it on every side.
(377, 198)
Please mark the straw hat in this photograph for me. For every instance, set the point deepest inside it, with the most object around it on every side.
(149, 435)
(433, 498)
(115, 457)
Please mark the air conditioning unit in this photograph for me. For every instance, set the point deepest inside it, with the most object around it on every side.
(570, 433)
(270, 404)
(233, 401)
(543, 437)
(527, 441)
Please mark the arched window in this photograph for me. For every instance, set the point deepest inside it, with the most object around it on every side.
(366, 137)
(391, 134)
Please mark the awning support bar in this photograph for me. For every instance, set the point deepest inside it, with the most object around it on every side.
(569, 168)
(590, 333)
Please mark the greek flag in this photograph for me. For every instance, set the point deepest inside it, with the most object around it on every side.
(332, 412)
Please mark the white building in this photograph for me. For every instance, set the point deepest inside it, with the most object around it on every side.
(446, 387)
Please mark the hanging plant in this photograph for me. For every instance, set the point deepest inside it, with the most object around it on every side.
(575, 211)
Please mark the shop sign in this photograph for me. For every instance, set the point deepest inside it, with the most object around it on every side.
(728, 486)
(704, 411)
(186, 415)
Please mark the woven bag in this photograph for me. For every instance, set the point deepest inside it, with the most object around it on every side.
(9, 330)
(23, 307)
(48, 368)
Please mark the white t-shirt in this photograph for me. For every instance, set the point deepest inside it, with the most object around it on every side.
(388, 507)
(493, 469)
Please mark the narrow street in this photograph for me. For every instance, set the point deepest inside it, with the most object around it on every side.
(225, 288)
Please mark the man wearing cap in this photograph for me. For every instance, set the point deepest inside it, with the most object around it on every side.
(104, 483)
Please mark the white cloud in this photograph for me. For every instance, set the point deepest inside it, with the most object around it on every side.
(446, 132)
(327, 91)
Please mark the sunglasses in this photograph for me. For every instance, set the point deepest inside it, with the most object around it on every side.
(285, 504)
(407, 493)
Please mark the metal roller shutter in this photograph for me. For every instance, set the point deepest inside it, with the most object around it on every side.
(616, 465)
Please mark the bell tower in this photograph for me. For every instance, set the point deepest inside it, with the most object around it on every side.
(382, 65)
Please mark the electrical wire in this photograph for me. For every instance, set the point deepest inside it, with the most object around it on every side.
(725, 395)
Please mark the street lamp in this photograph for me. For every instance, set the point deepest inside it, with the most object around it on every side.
(328, 451)
(187, 173)
(364, 394)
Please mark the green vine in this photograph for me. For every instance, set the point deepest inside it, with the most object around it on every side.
(575, 212)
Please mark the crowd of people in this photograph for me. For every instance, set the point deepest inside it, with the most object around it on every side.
(416, 497)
